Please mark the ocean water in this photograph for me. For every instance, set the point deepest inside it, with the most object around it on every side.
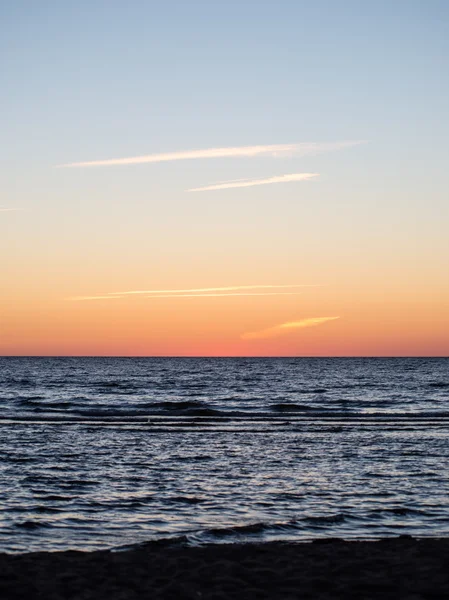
(109, 452)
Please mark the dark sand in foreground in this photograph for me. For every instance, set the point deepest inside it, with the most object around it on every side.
(395, 568)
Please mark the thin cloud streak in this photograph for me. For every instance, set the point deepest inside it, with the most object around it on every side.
(95, 298)
(6, 209)
(224, 295)
(252, 182)
(275, 150)
(231, 288)
(235, 290)
(212, 295)
(285, 328)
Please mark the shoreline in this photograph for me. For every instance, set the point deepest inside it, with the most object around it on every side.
(401, 567)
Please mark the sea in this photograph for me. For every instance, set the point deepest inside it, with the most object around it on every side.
(108, 453)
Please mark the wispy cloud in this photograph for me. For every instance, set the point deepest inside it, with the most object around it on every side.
(234, 290)
(6, 209)
(250, 182)
(223, 295)
(95, 297)
(275, 150)
(285, 328)
(230, 288)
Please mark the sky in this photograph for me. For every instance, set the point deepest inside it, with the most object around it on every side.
(240, 178)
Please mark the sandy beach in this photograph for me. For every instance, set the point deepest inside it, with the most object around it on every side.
(393, 568)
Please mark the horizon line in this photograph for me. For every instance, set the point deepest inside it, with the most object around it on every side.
(380, 356)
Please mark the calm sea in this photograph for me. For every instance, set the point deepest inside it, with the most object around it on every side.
(107, 452)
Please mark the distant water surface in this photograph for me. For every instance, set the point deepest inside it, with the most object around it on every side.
(105, 452)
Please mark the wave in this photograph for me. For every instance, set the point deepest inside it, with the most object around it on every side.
(262, 528)
(251, 529)
(115, 387)
(290, 407)
(123, 504)
(326, 519)
(398, 511)
(81, 408)
(37, 406)
(307, 527)
(185, 500)
(180, 405)
(170, 411)
(18, 381)
(187, 407)
(46, 497)
(30, 525)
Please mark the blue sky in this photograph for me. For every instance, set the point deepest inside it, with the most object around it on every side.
(92, 79)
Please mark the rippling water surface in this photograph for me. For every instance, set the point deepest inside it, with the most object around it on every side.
(103, 452)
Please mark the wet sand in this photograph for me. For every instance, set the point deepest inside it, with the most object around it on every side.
(394, 568)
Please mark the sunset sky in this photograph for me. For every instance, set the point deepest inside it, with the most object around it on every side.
(239, 178)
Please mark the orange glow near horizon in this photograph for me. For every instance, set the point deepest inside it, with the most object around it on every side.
(261, 272)
(296, 325)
